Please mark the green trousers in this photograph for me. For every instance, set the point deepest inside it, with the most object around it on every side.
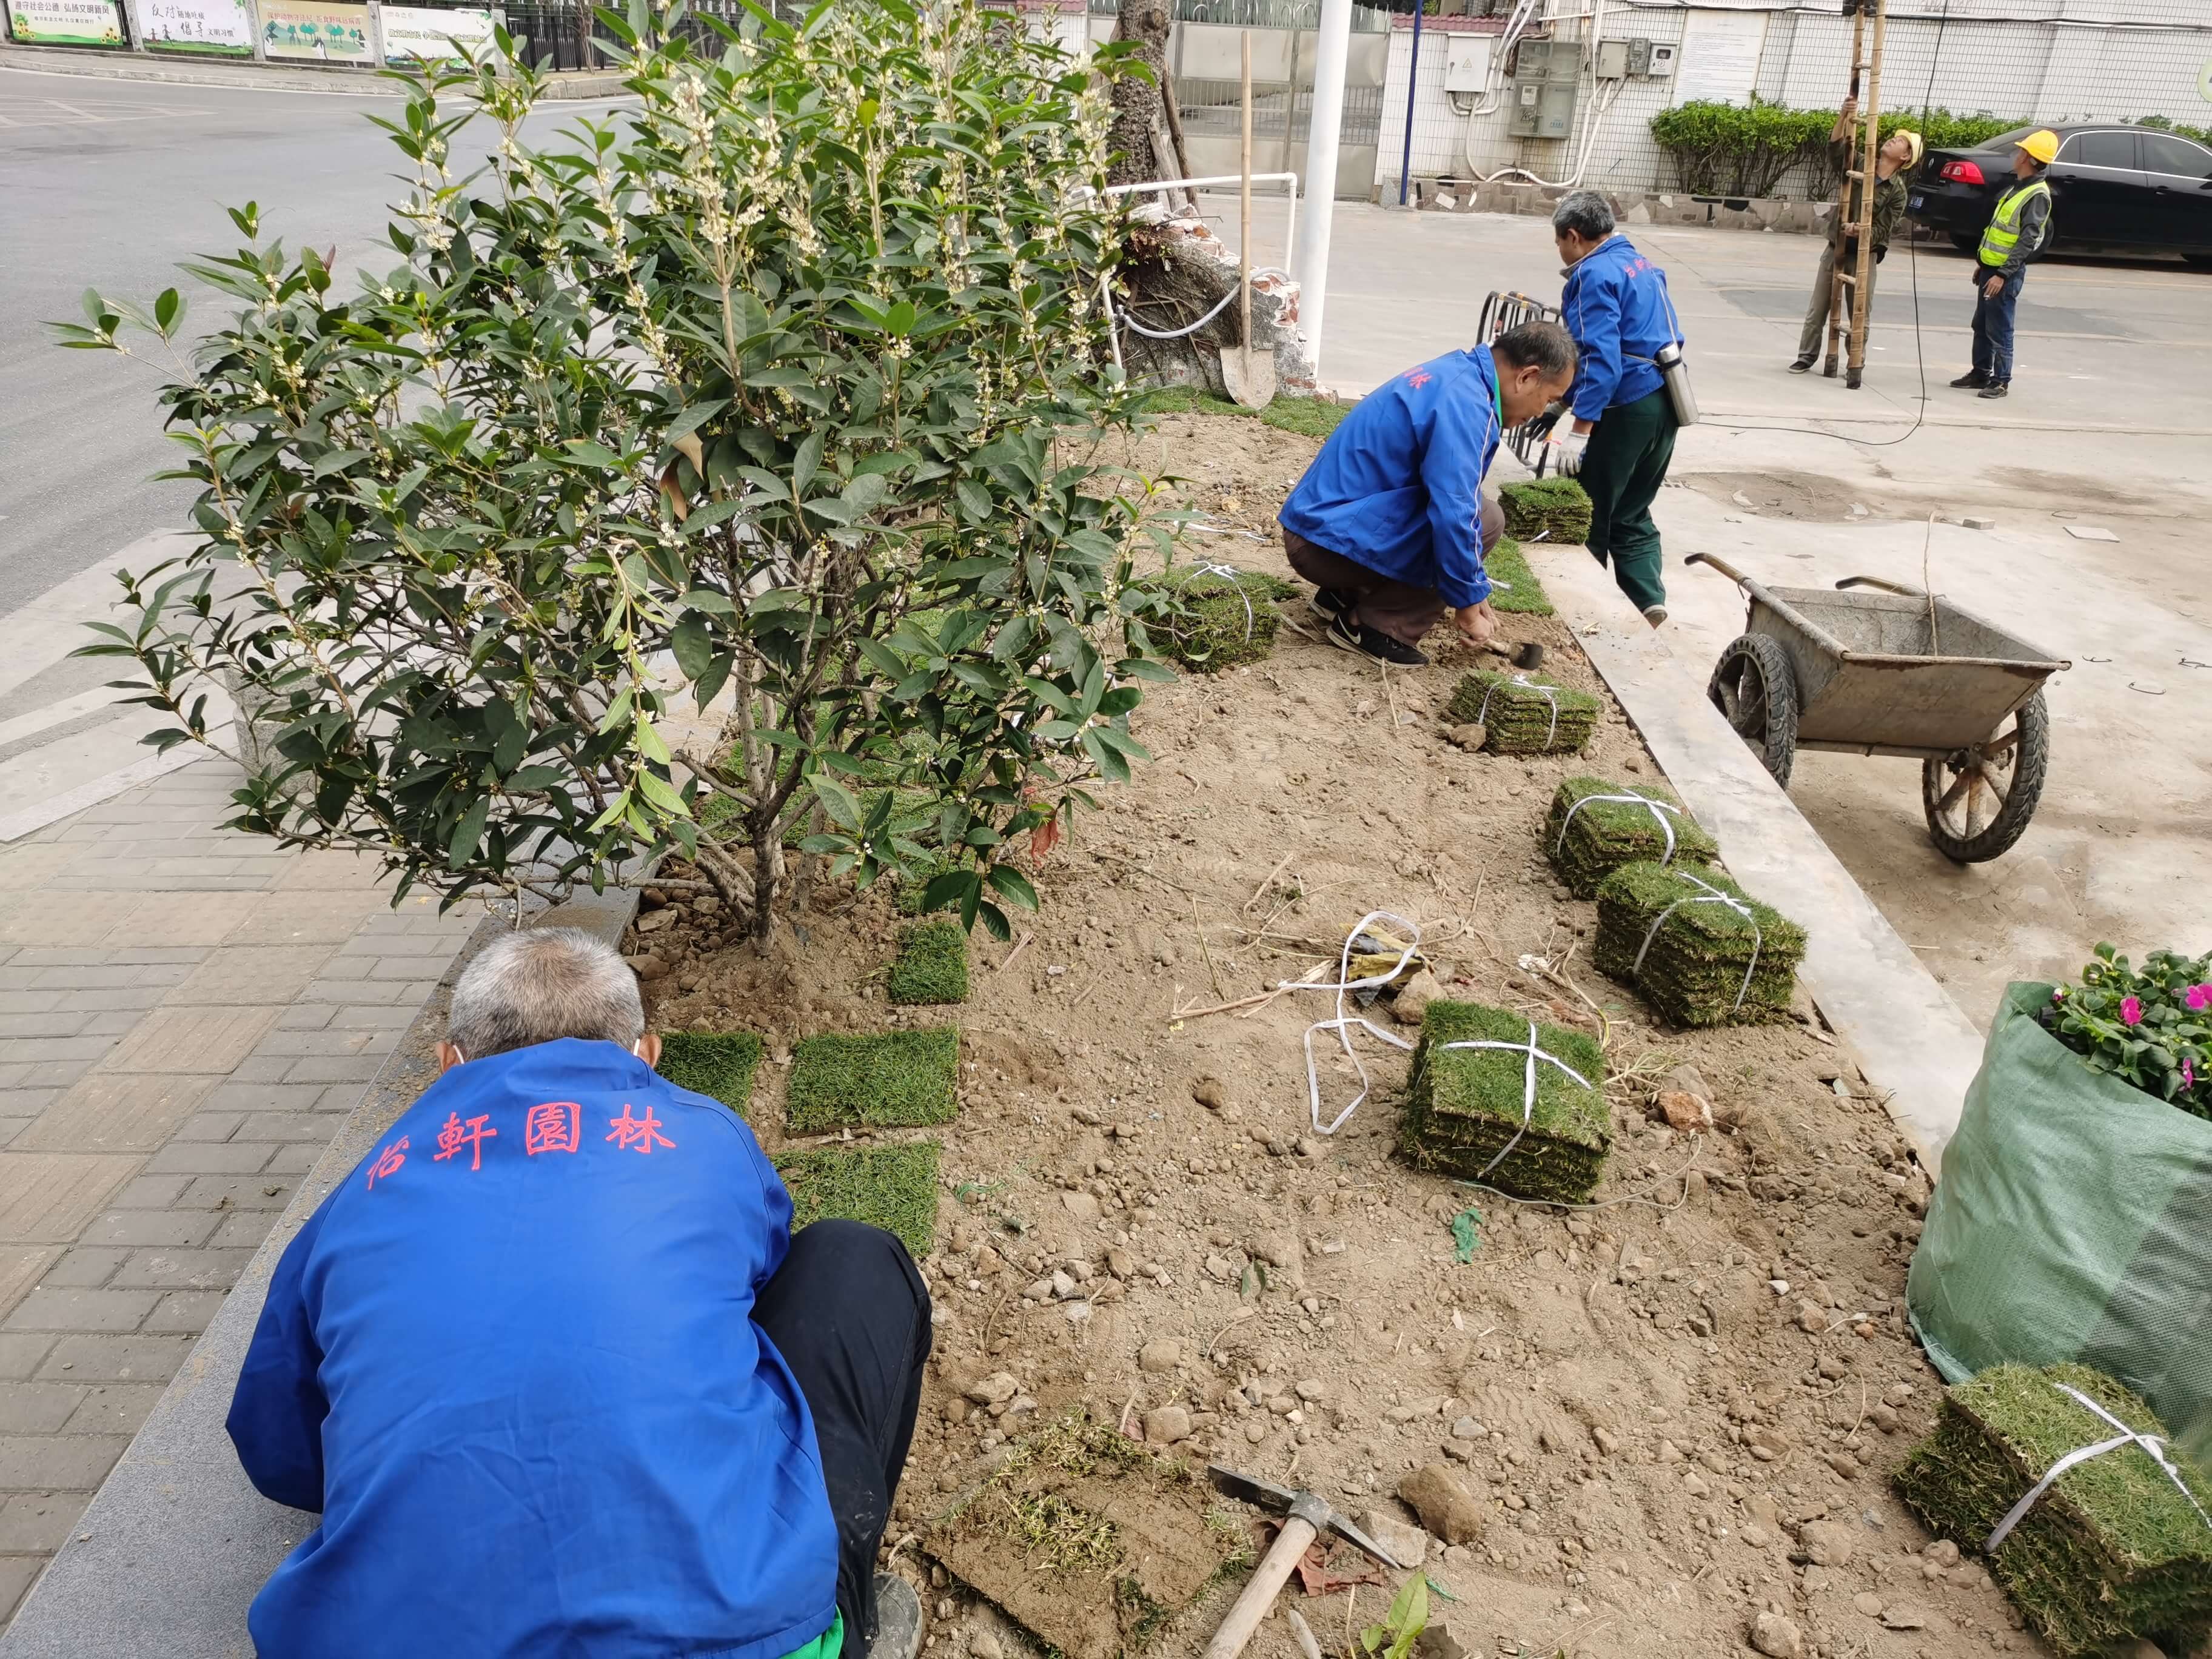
(1622, 470)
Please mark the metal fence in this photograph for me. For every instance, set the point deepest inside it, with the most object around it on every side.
(1262, 14)
(1211, 109)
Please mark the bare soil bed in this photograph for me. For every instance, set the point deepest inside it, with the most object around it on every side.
(1678, 1409)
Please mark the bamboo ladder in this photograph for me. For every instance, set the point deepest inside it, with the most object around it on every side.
(1854, 290)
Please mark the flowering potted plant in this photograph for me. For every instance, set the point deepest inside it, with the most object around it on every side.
(2153, 1027)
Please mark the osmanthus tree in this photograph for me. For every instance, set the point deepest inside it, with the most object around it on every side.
(780, 393)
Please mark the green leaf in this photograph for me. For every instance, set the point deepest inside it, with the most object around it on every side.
(590, 455)
(1012, 885)
(693, 646)
(461, 846)
(807, 463)
(837, 800)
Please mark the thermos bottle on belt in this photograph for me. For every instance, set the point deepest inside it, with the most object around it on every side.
(1674, 375)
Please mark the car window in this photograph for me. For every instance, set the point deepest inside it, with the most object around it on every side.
(2175, 156)
(2099, 149)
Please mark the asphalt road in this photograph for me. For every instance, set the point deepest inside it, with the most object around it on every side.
(107, 184)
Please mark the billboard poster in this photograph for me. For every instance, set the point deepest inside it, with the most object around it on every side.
(65, 22)
(433, 34)
(304, 28)
(223, 26)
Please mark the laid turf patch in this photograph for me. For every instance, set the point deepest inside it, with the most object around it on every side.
(1463, 1106)
(720, 1065)
(1557, 509)
(894, 1188)
(894, 1081)
(1525, 714)
(1089, 1541)
(1513, 585)
(933, 963)
(2112, 1551)
(1706, 963)
(1588, 835)
(1219, 621)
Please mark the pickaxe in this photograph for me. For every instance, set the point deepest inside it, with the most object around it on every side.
(1306, 1516)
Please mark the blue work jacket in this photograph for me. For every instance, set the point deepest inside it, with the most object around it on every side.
(1617, 308)
(511, 1361)
(1398, 486)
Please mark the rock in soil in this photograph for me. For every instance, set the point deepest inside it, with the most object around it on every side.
(1414, 997)
(1776, 1637)
(1443, 1504)
(1401, 1538)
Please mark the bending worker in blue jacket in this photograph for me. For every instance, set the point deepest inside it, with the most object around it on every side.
(1622, 436)
(558, 1376)
(1388, 522)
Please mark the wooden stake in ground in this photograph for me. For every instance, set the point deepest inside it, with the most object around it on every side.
(1250, 377)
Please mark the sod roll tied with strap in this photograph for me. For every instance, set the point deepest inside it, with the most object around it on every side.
(1595, 827)
(1695, 946)
(1515, 1105)
(1524, 713)
(1226, 617)
(1555, 509)
(2097, 1527)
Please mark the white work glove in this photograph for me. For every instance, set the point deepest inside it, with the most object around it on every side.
(1567, 447)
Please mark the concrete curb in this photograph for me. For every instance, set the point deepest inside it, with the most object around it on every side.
(1631, 208)
(1891, 1017)
(98, 64)
(176, 1543)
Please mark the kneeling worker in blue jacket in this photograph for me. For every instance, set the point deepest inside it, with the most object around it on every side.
(1622, 434)
(1389, 522)
(558, 1377)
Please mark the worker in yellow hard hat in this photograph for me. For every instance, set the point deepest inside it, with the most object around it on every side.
(2017, 231)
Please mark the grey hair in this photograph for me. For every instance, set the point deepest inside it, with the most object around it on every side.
(1585, 213)
(1547, 346)
(540, 984)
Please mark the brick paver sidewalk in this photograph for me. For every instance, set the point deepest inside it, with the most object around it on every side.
(186, 1018)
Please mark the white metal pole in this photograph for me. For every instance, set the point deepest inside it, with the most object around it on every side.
(1332, 53)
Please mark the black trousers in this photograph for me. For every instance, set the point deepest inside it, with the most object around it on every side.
(850, 1315)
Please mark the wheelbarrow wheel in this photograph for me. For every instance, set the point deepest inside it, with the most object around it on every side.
(1978, 800)
(1754, 686)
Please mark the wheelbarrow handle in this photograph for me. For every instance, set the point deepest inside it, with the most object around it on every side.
(1886, 586)
(1719, 564)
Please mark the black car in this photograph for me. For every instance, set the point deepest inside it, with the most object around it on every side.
(2112, 187)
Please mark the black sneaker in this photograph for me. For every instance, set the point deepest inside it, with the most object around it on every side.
(898, 1619)
(1330, 603)
(1996, 388)
(1802, 366)
(1346, 635)
(1973, 379)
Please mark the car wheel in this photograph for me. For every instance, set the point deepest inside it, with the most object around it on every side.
(1964, 240)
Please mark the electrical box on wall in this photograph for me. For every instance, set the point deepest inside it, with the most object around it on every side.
(1546, 78)
(1663, 56)
(1639, 56)
(1467, 63)
(1613, 60)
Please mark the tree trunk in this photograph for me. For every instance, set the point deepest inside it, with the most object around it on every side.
(1138, 109)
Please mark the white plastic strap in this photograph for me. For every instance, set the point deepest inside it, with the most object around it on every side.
(2126, 1437)
(1662, 811)
(1343, 1023)
(1528, 1085)
(1229, 573)
(1482, 714)
(1711, 895)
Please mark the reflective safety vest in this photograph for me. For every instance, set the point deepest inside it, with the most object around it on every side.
(2003, 232)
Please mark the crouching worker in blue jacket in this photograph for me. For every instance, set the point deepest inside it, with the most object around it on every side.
(559, 1379)
(1389, 522)
(1622, 434)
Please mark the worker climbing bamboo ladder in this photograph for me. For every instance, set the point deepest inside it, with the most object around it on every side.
(1853, 292)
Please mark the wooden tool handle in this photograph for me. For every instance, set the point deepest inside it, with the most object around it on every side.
(1260, 1595)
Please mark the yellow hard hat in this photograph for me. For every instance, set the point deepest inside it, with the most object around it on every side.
(2043, 144)
(1913, 143)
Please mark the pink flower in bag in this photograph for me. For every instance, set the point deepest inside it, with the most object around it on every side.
(2199, 997)
(2131, 1010)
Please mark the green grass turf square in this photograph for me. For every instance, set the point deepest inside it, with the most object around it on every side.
(1514, 586)
(894, 1188)
(933, 963)
(894, 1081)
(720, 1065)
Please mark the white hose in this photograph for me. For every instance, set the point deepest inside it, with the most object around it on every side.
(1131, 324)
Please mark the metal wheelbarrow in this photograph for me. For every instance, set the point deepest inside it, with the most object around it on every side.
(1893, 671)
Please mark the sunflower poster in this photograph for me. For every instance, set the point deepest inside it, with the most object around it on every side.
(64, 22)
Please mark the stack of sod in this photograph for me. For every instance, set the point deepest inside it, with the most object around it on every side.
(1587, 836)
(1514, 586)
(897, 1080)
(719, 1065)
(933, 963)
(1218, 621)
(1559, 506)
(894, 1188)
(1463, 1106)
(1524, 713)
(1693, 970)
(2112, 1551)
